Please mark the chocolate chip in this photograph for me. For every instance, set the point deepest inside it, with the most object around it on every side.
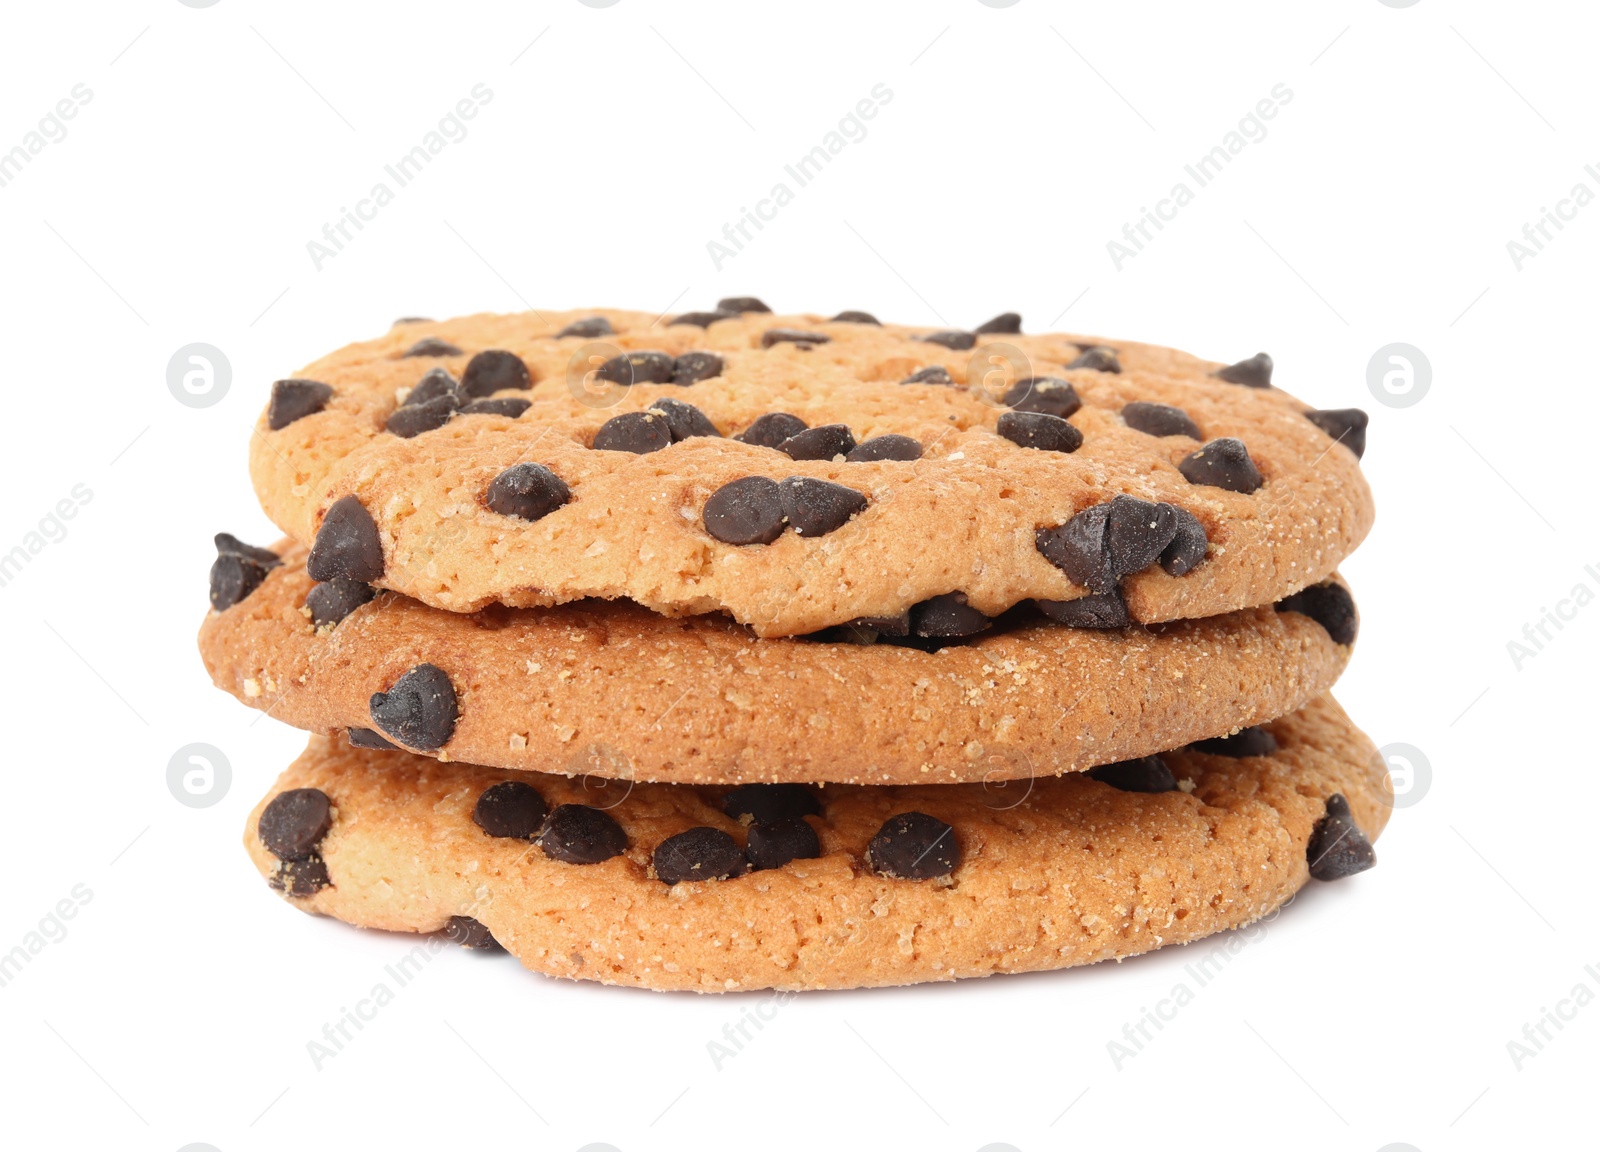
(692, 367)
(1099, 359)
(956, 341)
(817, 507)
(631, 368)
(1223, 463)
(1137, 533)
(745, 511)
(432, 346)
(510, 809)
(1039, 430)
(947, 616)
(702, 319)
(305, 877)
(914, 846)
(738, 304)
(469, 933)
(367, 738)
(294, 822)
(578, 834)
(1346, 425)
(1158, 420)
(697, 854)
(419, 711)
(508, 406)
(772, 429)
(1007, 324)
(850, 317)
(637, 432)
(528, 491)
(1328, 604)
(1046, 394)
(489, 372)
(774, 845)
(293, 399)
(590, 327)
(435, 384)
(935, 374)
(1108, 610)
(347, 546)
(1255, 372)
(1147, 774)
(228, 544)
(766, 803)
(412, 320)
(884, 625)
(823, 442)
(1079, 549)
(238, 570)
(683, 420)
(1244, 742)
(890, 446)
(1188, 545)
(332, 600)
(414, 419)
(1337, 847)
(792, 336)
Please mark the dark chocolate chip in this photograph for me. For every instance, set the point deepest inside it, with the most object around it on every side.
(293, 399)
(1188, 545)
(1159, 420)
(509, 406)
(692, 367)
(1079, 549)
(489, 372)
(702, 319)
(435, 384)
(772, 429)
(238, 570)
(643, 367)
(947, 616)
(367, 738)
(955, 341)
(528, 491)
(1346, 425)
(578, 834)
(1147, 774)
(1137, 533)
(914, 846)
(885, 625)
(1329, 605)
(412, 320)
(738, 304)
(419, 711)
(792, 336)
(510, 809)
(1047, 394)
(852, 317)
(935, 374)
(683, 420)
(414, 419)
(1108, 610)
(347, 546)
(294, 822)
(816, 507)
(1099, 359)
(590, 327)
(304, 877)
(228, 544)
(766, 803)
(637, 432)
(1039, 430)
(1223, 463)
(432, 346)
(469, 933)
(1006, 324)
(823, 442)
(890, 446)
(1244, 742)
(332, 600)
(745, 511)
(1255, 372)
(774, 845)
(1338, 848)
(698, 854)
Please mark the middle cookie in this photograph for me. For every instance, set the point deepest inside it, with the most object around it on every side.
(613, 689)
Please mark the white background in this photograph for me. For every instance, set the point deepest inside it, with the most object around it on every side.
(217, 142)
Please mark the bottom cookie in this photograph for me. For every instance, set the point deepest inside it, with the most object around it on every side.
(671, 886)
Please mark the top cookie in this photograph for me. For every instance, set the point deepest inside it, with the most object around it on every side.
(800, 472)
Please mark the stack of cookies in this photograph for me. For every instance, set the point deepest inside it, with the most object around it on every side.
(737, 651)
